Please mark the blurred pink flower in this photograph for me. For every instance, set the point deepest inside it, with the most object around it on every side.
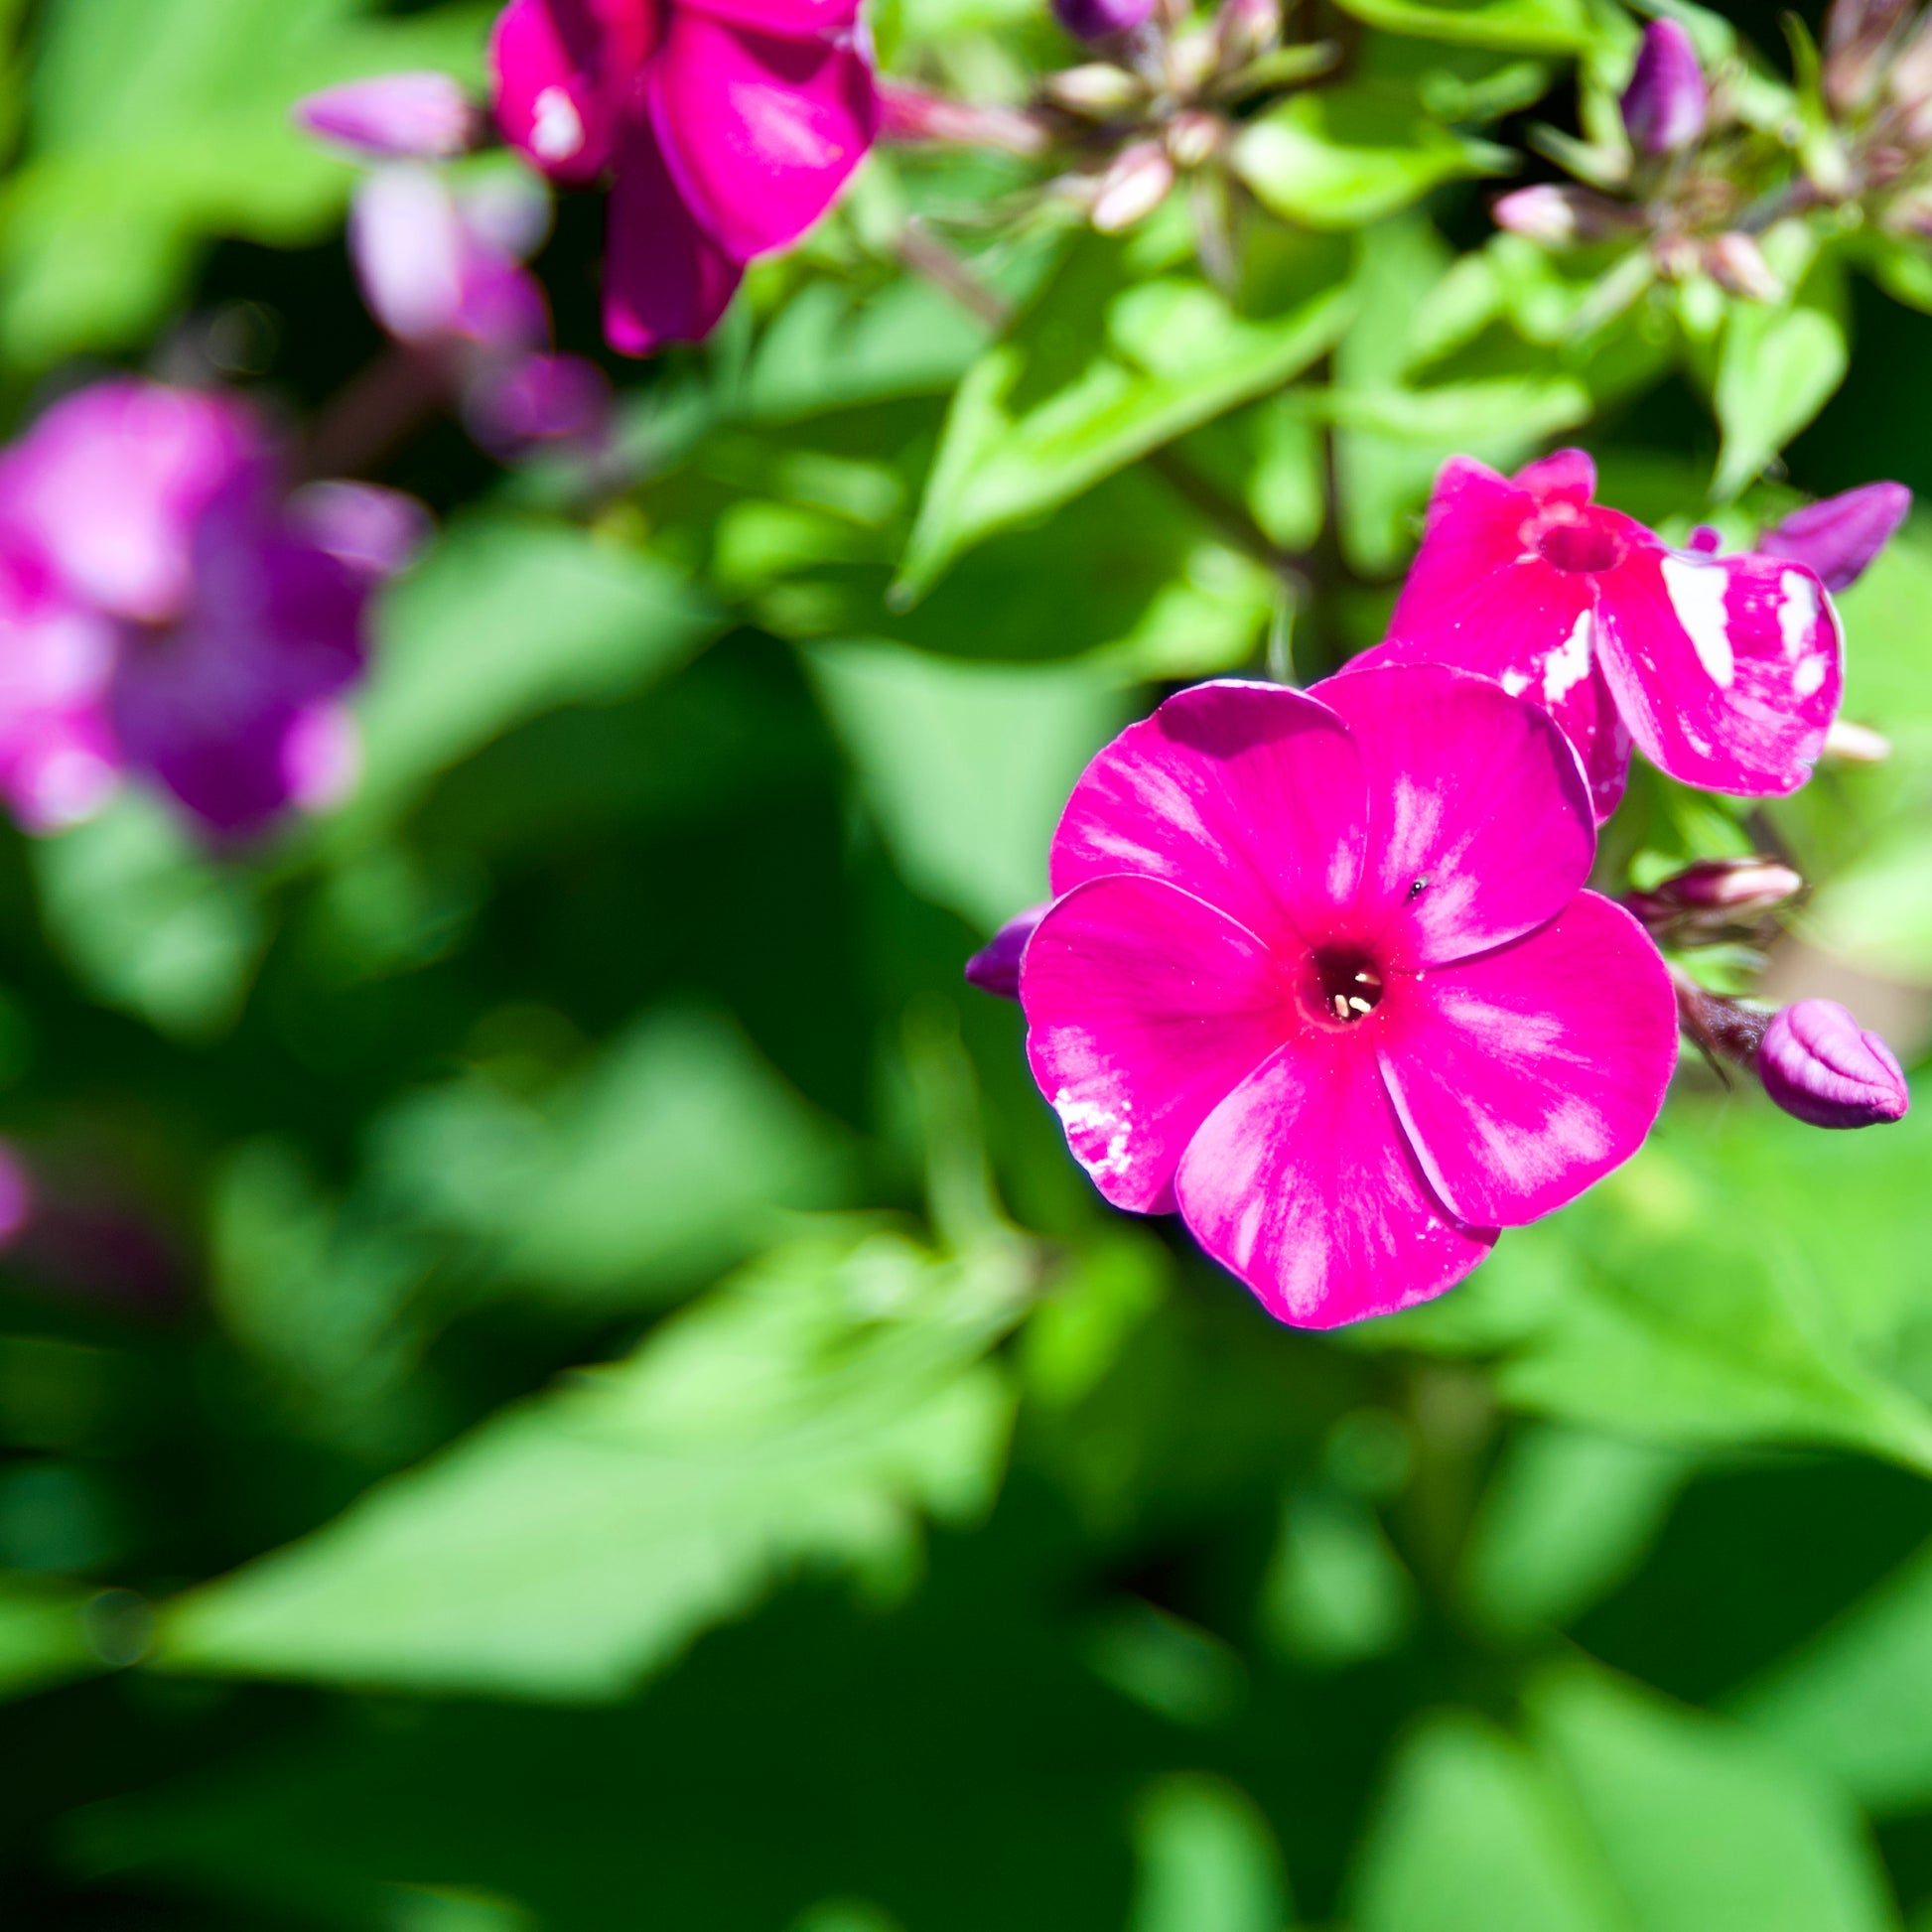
(426, 115)
(1321, 974)
(1725, 670)
(164, 610)
(726, 126)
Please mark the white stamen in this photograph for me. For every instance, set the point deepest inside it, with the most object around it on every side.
(1697, 595)
(1359, 1004)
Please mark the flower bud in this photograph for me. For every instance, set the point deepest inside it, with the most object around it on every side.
(1705, 541)
(911, 114)
(1849, 744)
(425, 116)
(1857, 34)
(1194, 138)
(1819, 1066)
(1245, 29)
(1735, 262)
(1100, 20)
(1133, 187)
(1096, 91)
(1664, 105)
(1558, 216)
(1838, 538)
(1741, 889)
(994, 968)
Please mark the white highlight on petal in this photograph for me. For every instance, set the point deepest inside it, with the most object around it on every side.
(1515, 683)
(1568, 664)
(1089, 1121)
(557, 132)
(1797, 613)
(1809, 675)
(1697, 595)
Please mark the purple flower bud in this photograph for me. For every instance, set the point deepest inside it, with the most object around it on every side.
(1664, 105)
(1099, 19)
(1133, 187)
(426, 115)
(1819, 1065)
(1838, 538)
(1560, 215)
(994, 968)
(1705, 541)
(1735, 885)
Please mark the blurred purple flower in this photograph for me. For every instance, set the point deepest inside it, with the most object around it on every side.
(425, 115)
(165, 610)
(1099, 19)
(1664, 104)
(1820, 1066)
(1837, 539)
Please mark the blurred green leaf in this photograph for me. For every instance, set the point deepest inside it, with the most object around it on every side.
(505, 618)
(966, 766)
(157, 123)
(1335, 1592)
(151, 926)
(44, 1637)
(1345, 157)
(800, 1418)
(1207, 1862)
(1778, 366)
(1093, 379)
(1512, 26)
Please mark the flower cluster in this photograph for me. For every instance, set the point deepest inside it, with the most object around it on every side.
(1320, 971)
(168, 609)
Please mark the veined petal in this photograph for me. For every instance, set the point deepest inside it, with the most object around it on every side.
(1726, 669)
(1249, 795)
(1302, 1184)
(1526, 1075)
(664, 279)
(1479, 822)
(1534, 632)
(1145, 1009)
(759, 132)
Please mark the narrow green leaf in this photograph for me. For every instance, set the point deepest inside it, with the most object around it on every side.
(1510, 26)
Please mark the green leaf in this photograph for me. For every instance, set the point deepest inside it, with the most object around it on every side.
(1093, 380)
(150, 925)
(1624, 1814)
(677, 1153)
(45, 1636)
(966, 766)
(505, 618)
(1511, 25)
(157, 123)
(1207, 1862)
(1777, 368)
(1335, 1592)
(1345, 157)
(800, 1418)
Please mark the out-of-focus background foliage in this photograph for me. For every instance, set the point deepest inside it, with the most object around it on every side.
(563, 1377)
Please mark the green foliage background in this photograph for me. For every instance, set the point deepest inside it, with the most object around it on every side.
(648, 1427)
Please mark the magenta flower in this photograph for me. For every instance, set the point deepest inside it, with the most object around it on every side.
(165, 610)
(1819, 1065)
(727, 127)
(1321, 973)
(1725, 670)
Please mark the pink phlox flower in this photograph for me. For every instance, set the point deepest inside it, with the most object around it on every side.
(165, 610)
(428, 116)
(727, 127)
(1319, 973)
(1725, 672)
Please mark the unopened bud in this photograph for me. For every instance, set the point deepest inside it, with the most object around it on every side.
(1097, 91)
(1245, 29)
(1705, 541)
(1838, 538)
(1191, 60)
(911, 114)
(1194, 138)
(1664, 104)
(427, 116)
(1559, 217)
(1102, 20)
(994, 968)
(1133, 187)
(1738, 889)
(1735, 262)
(1909, 77)
(1821, 1066)
(1857, 33)
(1850, 744)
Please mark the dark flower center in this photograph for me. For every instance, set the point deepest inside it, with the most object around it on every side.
(1574, 539)
(1345, 986)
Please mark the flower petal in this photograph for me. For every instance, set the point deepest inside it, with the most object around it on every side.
(791, 19)
(1568, 476)
(1480, 823)
(1525, 1076)
(664, 279)
(1726, 669)
(1145, 1009)
(1248, 795)
(1302, 1184)
(562, 70)
(759, 132)
(1534, 632)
